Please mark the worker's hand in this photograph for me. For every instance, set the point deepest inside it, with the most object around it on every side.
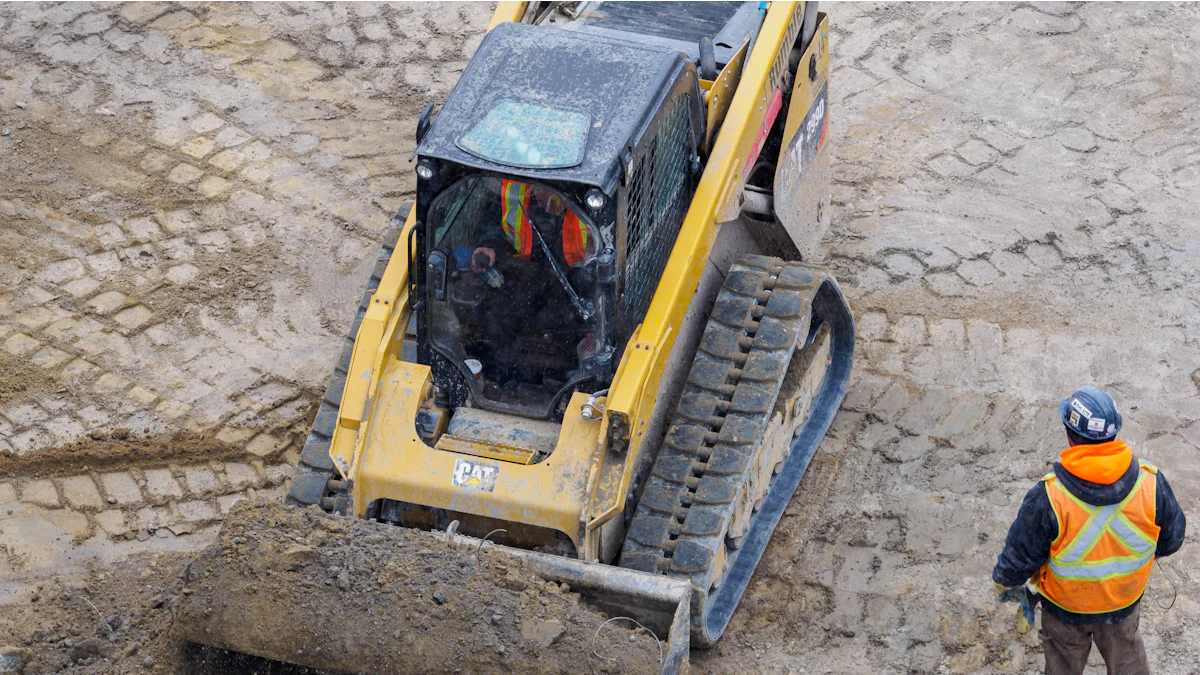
(1024, 620)
(1005, 593)
(490, 254)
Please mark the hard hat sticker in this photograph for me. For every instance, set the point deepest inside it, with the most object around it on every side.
(471, 474)
(1074, 419)
(1083, 410)
(1096, 424)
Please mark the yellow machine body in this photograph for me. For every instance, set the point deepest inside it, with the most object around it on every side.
(584, 482)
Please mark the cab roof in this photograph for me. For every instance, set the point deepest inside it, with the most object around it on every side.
(606, 90)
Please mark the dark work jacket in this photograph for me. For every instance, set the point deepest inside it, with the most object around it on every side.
(1027, 547)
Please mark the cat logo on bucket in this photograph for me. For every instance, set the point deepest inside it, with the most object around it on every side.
(478, 475)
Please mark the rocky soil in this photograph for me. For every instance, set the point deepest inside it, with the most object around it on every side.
(348, 596)
(355, 596)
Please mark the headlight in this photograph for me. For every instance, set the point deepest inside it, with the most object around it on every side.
(595, 199)
(424, 171)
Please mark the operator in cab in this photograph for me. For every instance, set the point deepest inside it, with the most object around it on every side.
(519, 234)
(521, 205)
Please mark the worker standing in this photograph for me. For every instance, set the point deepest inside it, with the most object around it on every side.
(1086, 536)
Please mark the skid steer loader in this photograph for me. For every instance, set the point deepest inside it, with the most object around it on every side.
(592, 340)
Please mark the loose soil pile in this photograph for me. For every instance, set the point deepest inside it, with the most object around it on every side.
(354, 596)
(107, 622)
(349, 595)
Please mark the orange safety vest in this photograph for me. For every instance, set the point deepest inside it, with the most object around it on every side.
(574, 238)
(1100, 562)
(515, 217)
(515, 198)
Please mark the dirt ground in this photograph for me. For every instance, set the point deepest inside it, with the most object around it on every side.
(190, 197)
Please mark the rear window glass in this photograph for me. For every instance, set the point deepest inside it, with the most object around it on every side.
(527, 134)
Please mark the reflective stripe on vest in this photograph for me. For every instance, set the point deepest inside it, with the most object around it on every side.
(575, 238)
(514, 197)
(1100, 562)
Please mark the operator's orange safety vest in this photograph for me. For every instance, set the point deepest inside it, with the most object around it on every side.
(515, 197)
(1101, 560)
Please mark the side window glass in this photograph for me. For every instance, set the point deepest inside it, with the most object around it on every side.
(460, 215)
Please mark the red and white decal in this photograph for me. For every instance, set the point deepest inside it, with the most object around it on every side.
(763, 130)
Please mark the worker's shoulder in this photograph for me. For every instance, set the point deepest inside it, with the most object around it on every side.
(1038, 496)
(1147, 466)
(1050, 476)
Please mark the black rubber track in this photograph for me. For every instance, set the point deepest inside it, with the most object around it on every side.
(755, 327)
(315, 480)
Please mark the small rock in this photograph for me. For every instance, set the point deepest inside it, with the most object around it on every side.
(148, 662)
(14, 659)
(87, 648)
(542, 633)
(194, 571)
(5, 132)
(20, 104)
(439, 598)
(297, 556)
(496, 618)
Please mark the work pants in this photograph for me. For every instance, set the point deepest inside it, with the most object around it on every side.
(1067, 645)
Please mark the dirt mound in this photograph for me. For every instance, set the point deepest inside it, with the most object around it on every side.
(115, 622)
(355, 596)
(107, 622)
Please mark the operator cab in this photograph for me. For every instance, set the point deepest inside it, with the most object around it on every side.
(550, 190)
(514, 290)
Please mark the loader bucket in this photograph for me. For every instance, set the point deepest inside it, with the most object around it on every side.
(347, 595)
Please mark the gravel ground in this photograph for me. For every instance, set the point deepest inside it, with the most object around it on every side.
(191, 194)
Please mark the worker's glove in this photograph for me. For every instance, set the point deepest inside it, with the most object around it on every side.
(1025, 618)
(1019, 594)
(1006, 593)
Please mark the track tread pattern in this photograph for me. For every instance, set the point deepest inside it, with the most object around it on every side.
(759, 319)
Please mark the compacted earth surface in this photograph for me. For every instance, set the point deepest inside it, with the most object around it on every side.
(191, 196)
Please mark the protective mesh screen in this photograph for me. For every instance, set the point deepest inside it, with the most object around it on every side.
(658, 201)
